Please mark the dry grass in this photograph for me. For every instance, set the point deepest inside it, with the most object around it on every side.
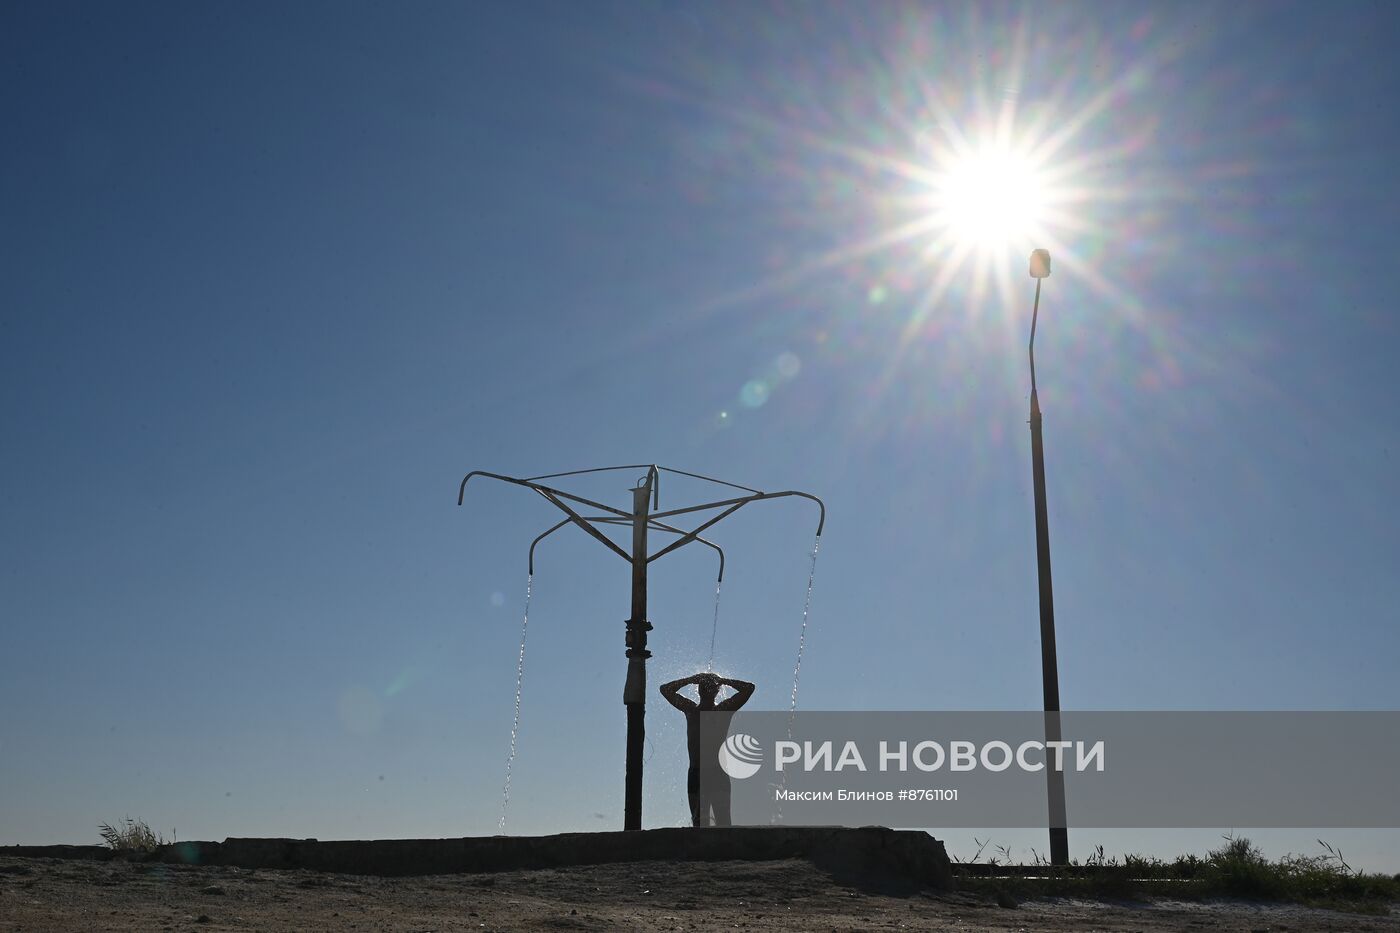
(1236, 869)
(130, 835)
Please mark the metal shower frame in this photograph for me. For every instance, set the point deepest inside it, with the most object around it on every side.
(646, 497)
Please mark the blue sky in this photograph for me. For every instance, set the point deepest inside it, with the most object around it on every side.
(274, 277)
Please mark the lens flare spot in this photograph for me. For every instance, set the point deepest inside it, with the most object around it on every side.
(754, 394)
(788, 365)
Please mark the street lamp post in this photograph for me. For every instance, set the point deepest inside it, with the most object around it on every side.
(1049, 666)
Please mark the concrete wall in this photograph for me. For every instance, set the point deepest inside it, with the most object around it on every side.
(871, 856)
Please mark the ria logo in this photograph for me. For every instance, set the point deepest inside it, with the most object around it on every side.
(740, 756)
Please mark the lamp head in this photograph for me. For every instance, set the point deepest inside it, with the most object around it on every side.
(1040, 264)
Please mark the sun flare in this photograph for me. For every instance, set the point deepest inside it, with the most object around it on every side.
(942, 186)
(990, 199)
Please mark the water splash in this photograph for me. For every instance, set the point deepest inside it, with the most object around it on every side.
(714, 628)
(519, 682)
(802, 638)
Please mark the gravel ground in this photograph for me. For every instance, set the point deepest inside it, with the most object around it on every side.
(53, 894)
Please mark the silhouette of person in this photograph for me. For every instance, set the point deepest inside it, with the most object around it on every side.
(710, 797)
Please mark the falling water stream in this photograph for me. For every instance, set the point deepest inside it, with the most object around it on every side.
(519, 681)
(802, 638)
(797, 668)
(714, 628)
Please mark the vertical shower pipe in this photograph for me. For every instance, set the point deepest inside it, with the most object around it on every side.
(634, 694)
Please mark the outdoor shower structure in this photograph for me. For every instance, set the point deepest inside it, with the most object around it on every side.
(644, 517)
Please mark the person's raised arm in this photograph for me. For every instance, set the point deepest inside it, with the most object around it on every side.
(672, 693)
(742, 691)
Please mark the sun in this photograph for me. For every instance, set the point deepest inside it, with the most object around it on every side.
(989, 199)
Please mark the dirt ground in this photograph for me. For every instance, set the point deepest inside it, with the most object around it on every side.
(52, 894)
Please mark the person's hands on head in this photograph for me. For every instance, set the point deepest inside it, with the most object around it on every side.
(708, 685)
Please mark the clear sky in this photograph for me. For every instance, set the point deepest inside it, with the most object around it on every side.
(273, 277)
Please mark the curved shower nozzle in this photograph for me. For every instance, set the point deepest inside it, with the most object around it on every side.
(462, 489)
(537, 540)
(718, 550)
(821, 519)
